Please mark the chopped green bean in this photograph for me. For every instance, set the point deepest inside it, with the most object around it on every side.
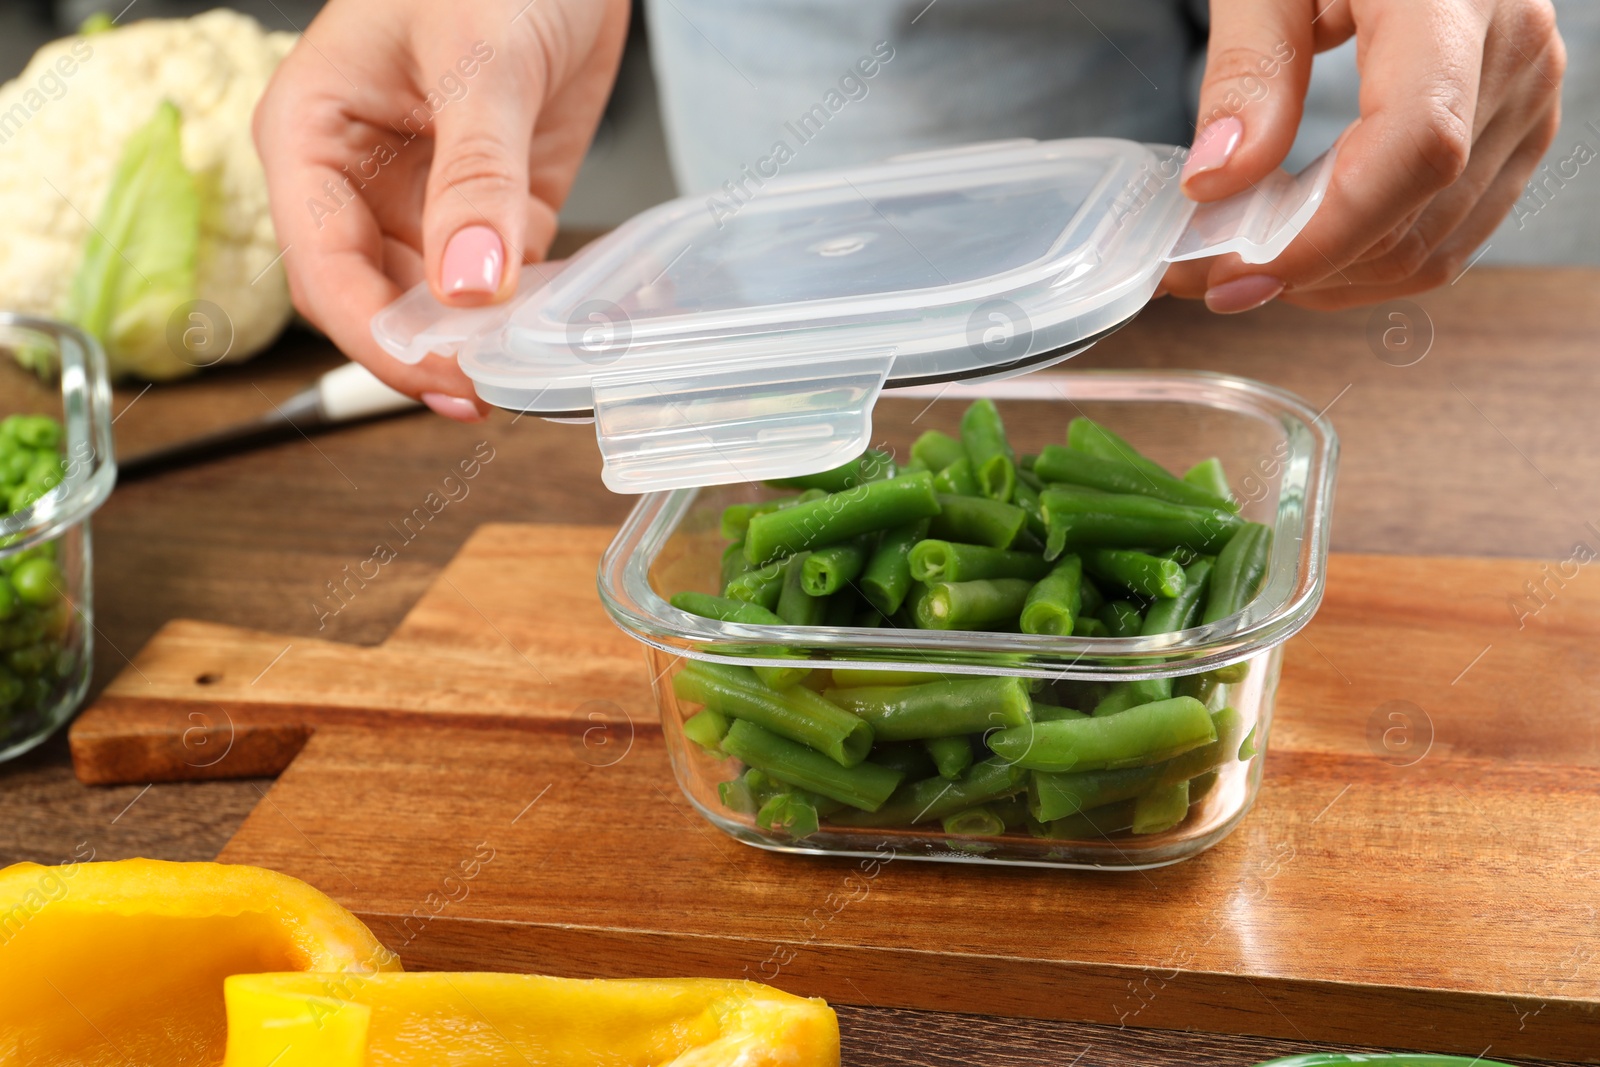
(1161, 808)
(975, 520)
(1089, 626)
(724, 609)
(1069, 466)
(887, 576)
(1054, 796)
(827, 570)
(1141, 735)
(948, 561)
(957, 478)
(841, 516)
(1088, 518)
(1052, 606)
(851, 678)
(937, 450)
(931, 799)
(1122, 618)
(951, 755)
(797, 607)
(1209, 475)
(866, 785)
(1240, 568)
(983, 436)
(1124, 695)
(1052, 712)
(1091, 825)
(760, 585)
(1153, 577)
(985, 604)
(1183, 610)
(947, 708)
(871, 466)
(1026, 497)
(797, 714)
(707, 728)
(980, 821)
(1086, 435)
(790, 814)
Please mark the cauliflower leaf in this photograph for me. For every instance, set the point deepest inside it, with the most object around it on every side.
(139, 261)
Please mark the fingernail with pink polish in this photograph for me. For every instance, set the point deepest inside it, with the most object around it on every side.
(473, 262)
(1214, 147)
(1242, 294)
(453, 407)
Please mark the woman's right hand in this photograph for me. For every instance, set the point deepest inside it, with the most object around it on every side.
(412, 139)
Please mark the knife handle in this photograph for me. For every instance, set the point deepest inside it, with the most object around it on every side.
(353, 392)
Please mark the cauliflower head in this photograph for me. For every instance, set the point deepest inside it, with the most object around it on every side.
(79, 129)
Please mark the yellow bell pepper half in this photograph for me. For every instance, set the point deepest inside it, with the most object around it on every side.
(479, 1020)
(122, 962)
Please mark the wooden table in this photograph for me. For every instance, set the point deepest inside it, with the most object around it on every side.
(1478, 448)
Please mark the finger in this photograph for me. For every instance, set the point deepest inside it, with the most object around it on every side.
(1506, 143)
(474, 220)
(1258, 62)
(1456, 253)
(333, 248)
(1419, 89)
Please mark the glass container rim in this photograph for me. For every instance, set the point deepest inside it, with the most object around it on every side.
(91, 468)
(1284, 605)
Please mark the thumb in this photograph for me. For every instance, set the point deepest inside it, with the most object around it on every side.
(475, 217)
(1258, 63)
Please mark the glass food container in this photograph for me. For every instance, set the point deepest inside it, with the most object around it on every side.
(51, 481)
(1280, 456)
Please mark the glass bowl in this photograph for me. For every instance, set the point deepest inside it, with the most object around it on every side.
(1280, 455)
(46, 603)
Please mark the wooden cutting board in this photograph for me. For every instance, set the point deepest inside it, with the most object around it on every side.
(488, 789)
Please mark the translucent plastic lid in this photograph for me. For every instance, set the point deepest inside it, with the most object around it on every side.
(747, 336)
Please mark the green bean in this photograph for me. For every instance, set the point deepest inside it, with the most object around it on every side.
(736, 517)
(951, 755)
(887, 576)
(737, 796)
(1052, 712)
(760, 585)
(1209, 475)
(827, 570)
(938, 709)
(1053, 604)
(1089, 626)
(985, 604)
(1229, 727)
(983, 436)
(789, 814)
(1026, 497)
(1138, 736)
(1089, 593)
(1183, 610)
(1233, 673)
(1088, 518)
(937, 450)
(851, 678)
(1240, 568)
(1153, 577)
(975, 520)
(1054, 796)
(1026, 476)
(1115, 475)
(957, 478)
(1086, 435)
(724, 609)
(733, 563)
(1096, 823)
(784, 677)
(1247, 747)
(931, 799)
(706, 728)
(1122, 618)
(1161, 808)
(1124, 695)
(796, 607)
(981, 821)
(866, 785)
(841, 516)
(871, 466)
(797, 714)
(948, 561)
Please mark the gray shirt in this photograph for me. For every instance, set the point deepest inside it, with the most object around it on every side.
(753, 88)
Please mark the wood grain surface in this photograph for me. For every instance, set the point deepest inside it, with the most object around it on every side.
(1337, 911)
(1483, 447)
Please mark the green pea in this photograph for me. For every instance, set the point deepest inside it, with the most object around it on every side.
(38, 431)
(31, 661)
(38, 582)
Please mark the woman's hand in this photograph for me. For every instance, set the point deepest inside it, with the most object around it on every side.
(411, 139)
(1459, 101)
